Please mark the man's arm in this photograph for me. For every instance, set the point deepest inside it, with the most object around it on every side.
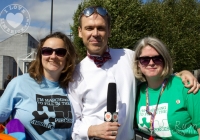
(75, 94)
(189, 81)
(84, 129)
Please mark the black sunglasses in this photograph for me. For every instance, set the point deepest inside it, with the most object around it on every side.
(90, 10)
(59, 51)
(146, 59)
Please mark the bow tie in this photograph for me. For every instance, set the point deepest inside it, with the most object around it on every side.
(100, 60)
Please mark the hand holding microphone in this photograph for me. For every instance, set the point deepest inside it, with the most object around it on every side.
(108, 129)
(111, 115)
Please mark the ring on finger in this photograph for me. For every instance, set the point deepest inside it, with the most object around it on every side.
(113, 133)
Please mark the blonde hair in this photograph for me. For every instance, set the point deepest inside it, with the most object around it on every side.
(160, 48)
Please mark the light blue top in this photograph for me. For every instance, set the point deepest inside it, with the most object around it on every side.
(44, 109)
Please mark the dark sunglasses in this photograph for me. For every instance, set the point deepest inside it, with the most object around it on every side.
(146, 59)
(90, 10)
(59, 51)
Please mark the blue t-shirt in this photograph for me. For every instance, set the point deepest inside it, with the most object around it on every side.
(43, 108)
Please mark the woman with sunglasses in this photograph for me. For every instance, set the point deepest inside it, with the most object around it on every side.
(164, 107)
(39, 98)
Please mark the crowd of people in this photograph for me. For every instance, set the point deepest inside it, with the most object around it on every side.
(59, 99)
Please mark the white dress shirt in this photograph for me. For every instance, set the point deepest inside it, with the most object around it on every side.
(88, 93)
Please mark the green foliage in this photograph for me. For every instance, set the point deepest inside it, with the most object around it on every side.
(175, 22)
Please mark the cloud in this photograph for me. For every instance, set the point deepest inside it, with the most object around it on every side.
(63, 11)
(38, 33)
(40, 13)
(3, 35)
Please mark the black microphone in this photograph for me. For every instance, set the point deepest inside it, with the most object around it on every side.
(111, 115)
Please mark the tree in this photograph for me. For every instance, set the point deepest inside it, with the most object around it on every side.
(181, 32)
(175, 22)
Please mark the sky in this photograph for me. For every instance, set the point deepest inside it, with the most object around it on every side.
(34, 16)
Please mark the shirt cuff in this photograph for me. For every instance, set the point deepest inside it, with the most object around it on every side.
(83, 132)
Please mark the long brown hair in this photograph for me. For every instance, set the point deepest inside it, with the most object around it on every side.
(36, 68)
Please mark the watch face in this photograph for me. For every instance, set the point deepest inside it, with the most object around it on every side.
(108, 116)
